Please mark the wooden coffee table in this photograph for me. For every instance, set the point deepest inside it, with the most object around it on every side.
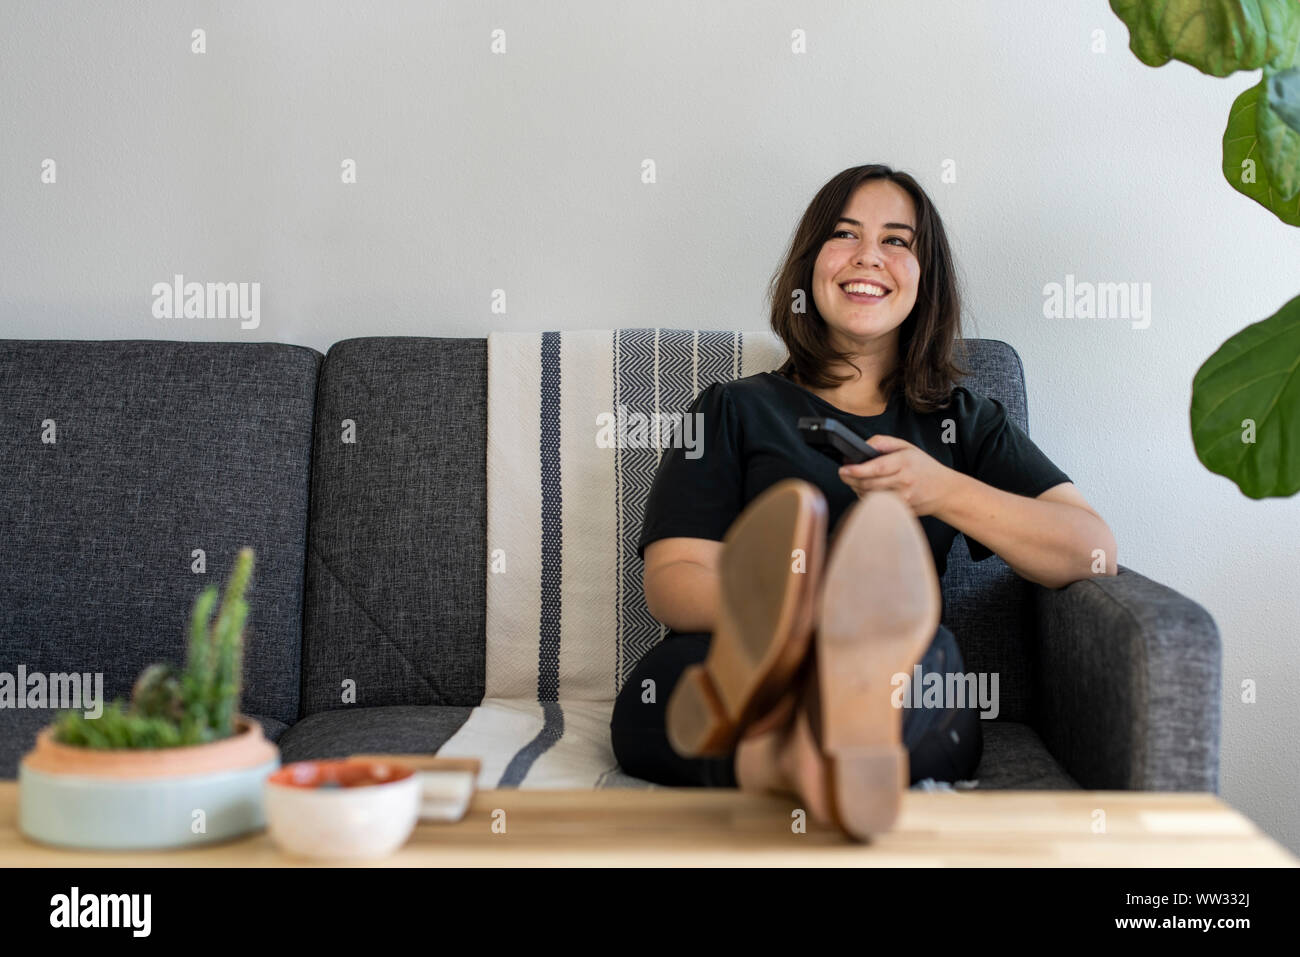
(695, 826)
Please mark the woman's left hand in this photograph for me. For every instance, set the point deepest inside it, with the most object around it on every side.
(904, 469)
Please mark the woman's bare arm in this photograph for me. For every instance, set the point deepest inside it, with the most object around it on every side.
(1054, 539)
(681, 582)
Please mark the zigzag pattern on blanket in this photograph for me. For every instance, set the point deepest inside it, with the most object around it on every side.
(655, 370)
(568, 621)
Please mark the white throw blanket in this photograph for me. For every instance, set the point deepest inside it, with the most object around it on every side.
(566, 617)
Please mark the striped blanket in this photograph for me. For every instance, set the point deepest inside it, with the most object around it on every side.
(566, 616)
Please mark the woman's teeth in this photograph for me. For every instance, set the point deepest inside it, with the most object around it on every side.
(863, 291)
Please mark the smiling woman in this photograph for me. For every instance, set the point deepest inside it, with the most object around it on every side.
(867, 304)
(870, 224)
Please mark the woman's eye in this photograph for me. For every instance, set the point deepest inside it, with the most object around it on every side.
(845, 232)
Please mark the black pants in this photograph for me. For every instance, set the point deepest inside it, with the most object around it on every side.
(942, 743)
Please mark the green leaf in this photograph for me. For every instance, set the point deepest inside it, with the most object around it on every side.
(1277, 121)
(1249, 167)
(1283, 91)
(1252, 376)
(1217, 37)
(1289, 42)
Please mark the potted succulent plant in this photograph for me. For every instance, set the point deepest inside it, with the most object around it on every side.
(176, 766)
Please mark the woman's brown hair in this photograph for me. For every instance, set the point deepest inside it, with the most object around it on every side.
(926, 338)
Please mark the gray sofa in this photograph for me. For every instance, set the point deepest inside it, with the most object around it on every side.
(371, 558)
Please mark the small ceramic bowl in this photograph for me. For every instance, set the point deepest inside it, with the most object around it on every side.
(342, 809)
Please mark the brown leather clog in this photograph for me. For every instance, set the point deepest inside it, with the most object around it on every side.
(877, 613)
(770, 574)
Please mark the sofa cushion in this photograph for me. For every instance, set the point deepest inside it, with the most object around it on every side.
(271, 727)
(394, 729)
(402, 729)
(160, 448)
(1015, 757)
(987, 606)
(395, 577)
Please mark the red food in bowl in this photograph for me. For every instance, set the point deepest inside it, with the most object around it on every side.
(328, 775)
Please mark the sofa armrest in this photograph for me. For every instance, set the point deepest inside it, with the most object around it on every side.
(1127, 684)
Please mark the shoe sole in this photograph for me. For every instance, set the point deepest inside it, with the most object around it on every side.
(765, 621)
(877, 613)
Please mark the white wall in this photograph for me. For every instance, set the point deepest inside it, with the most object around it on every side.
(522, 172)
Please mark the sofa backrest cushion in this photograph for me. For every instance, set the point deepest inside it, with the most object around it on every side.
(396, 568)
(987, 606)
(159, 449)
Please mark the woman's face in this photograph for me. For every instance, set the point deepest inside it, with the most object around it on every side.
(873, 242)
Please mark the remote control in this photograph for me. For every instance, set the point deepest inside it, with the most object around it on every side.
(837, 440)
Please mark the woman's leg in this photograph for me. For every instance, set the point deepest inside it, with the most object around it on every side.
(942, 743)
(637, 726)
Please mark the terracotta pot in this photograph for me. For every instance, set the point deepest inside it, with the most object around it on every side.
(246, 748)
(137, 799)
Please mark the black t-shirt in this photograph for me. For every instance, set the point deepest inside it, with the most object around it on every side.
(751, 441)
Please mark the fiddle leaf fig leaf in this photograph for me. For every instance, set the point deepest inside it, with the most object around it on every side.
(1283, 89)
(1289, 45)
(1217, 37)
(1277, 120)
(1245, 411)
(1250, 167)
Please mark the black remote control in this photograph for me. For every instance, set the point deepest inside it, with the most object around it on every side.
(837, 440)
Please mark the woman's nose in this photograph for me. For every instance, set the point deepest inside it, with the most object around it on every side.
(870, 254)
